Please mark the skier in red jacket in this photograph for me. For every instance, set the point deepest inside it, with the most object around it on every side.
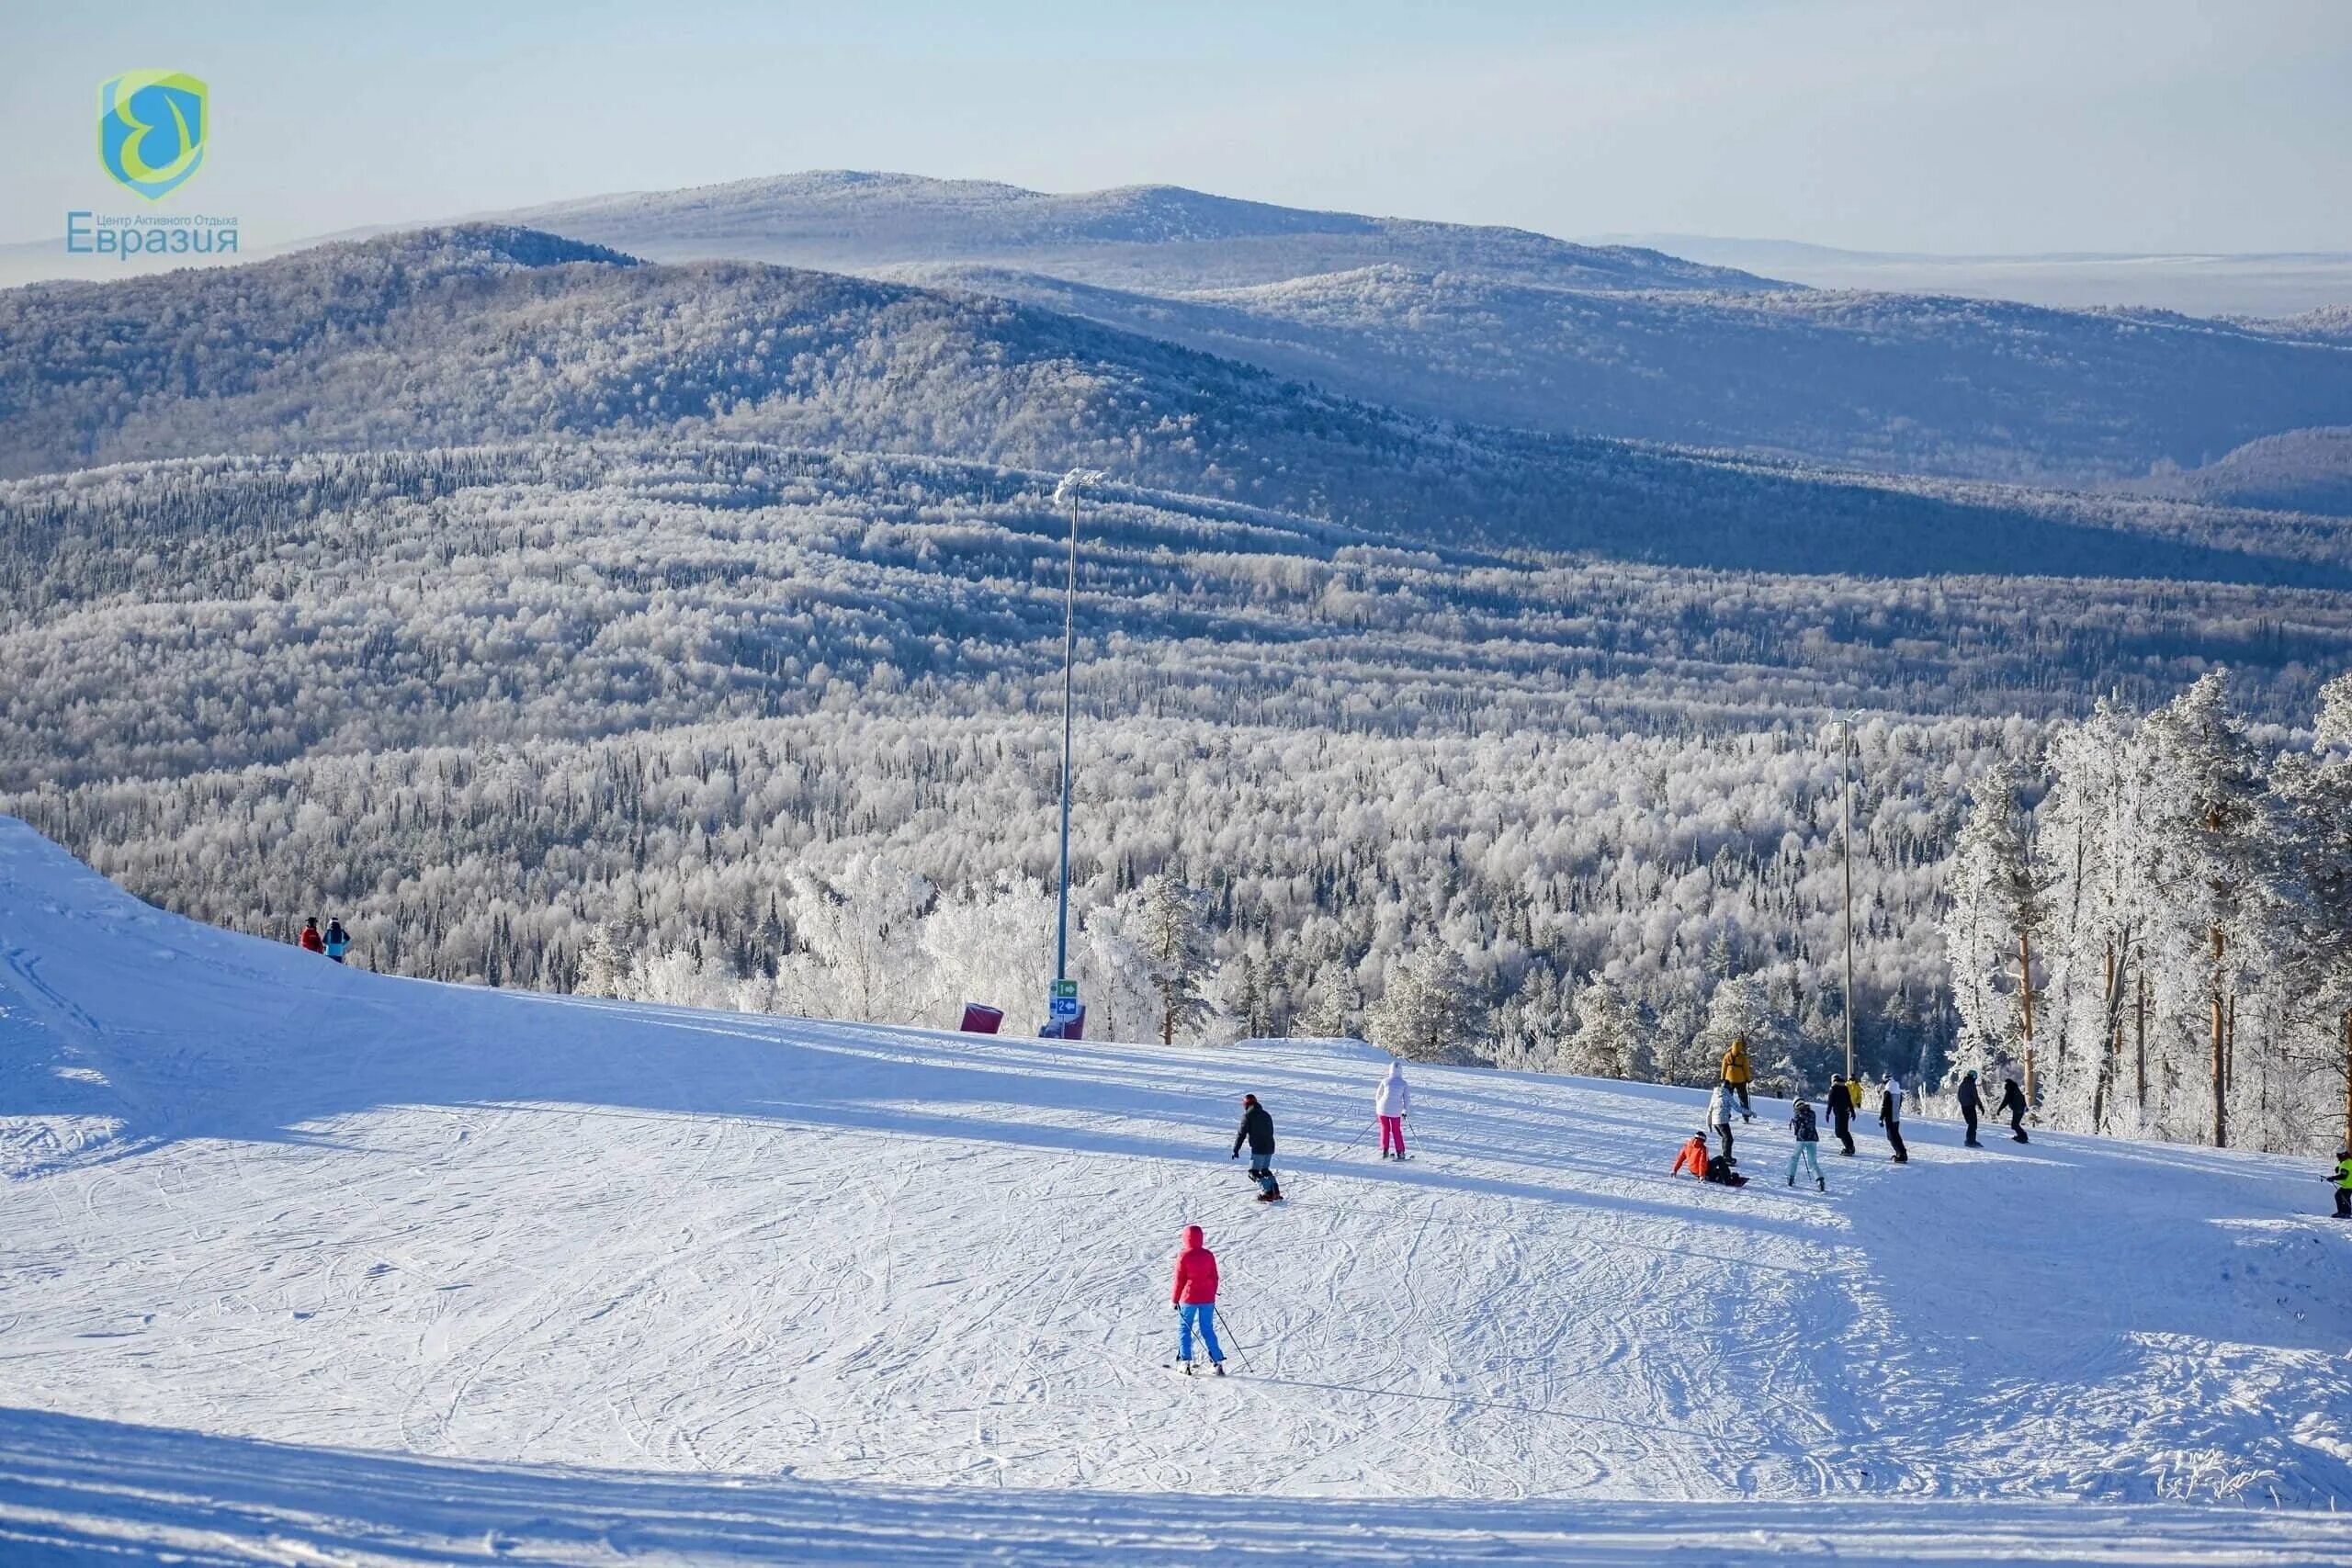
(1195, 1300)
(312, 940)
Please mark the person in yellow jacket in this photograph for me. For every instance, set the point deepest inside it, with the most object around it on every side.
(1736, 1073)
(2344, 1184)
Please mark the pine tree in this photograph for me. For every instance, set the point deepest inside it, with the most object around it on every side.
(1171, 929)
(1989, 926)
(604, 967)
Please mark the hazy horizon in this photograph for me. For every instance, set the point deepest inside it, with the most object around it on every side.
(2157, 128)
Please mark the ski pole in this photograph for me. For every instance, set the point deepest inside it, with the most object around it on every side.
(1238, 1354)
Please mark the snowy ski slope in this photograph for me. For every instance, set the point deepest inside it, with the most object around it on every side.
(304, 1264)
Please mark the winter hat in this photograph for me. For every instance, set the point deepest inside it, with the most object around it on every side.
(1248, 1100)
(1192, 1237)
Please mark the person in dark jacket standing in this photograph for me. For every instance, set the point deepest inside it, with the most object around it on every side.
(1841, 1112)
(1258, 1132)
(2344, 1184)
(1807, 1133)
(2013, 1106)
(1890, 1116)
(1969, 1106)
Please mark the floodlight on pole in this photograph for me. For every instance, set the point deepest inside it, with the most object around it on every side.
(1846, 838)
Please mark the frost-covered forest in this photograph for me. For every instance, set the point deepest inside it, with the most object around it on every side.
(692, 633)
(2163, 945)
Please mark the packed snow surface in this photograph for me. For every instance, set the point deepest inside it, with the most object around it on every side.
(301, 1263)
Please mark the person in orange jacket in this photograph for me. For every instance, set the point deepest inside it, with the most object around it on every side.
(1693, 1158)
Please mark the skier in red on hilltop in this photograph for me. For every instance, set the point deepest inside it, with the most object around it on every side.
(312, 940)
(1194, 1296)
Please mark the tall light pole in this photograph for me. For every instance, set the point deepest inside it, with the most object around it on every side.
(1073, 485)
(1846, 835)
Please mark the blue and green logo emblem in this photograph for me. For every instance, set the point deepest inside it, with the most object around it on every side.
(151, 126)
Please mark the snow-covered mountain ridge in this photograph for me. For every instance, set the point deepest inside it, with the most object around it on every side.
(1505, 326)
(1151, 236)
(505, 1246)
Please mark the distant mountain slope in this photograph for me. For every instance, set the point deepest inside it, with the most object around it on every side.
(1898, 383)
(2303, 470)
(156, 618)
(1155, 238)
(1502, 326)
(457, 337)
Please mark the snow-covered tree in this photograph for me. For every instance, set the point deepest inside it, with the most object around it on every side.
(860, 948)
(1989, 926)
(1429, 1012)
(1169, 924)
(1608, 1042)
(604, 967)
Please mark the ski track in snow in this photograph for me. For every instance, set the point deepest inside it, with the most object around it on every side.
(572, 1259)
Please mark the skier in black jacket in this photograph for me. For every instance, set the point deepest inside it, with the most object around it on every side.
(2013, 1106)
(1258, 1132)
(1970, 1105)
(1841, 1112)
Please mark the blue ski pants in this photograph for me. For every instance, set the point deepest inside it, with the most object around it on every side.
(1807, 1154)
(1203, 1316)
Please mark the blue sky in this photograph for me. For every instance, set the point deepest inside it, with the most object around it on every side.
(1985, 126)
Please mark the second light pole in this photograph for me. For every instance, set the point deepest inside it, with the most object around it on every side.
(1846, 840)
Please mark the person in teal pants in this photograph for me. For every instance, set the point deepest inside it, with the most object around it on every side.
(1808, 1149)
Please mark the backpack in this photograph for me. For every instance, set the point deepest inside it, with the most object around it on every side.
(1805, 1132)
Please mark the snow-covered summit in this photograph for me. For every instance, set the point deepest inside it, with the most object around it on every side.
(1146, 236)
(292, 1245)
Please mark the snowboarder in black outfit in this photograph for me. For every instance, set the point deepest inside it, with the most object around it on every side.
(1258, 1132)
(1890, 1116)
(1969, 1106)
(1841, 1112)
(2013, 1106)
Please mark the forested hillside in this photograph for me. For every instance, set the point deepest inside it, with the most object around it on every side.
(1899, 383)
(479, 334)
(693, 632)
(754, 714)
(1507, 327)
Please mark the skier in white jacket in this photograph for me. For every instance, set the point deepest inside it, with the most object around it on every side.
(1390, 1101)
(1719, 1107)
